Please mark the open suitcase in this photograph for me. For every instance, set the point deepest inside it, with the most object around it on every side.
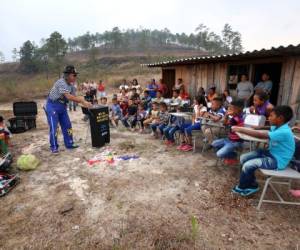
(25, 117)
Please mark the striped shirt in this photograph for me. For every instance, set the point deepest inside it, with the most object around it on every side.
(58, 90)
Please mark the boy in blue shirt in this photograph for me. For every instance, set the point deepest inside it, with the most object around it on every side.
(277, 157)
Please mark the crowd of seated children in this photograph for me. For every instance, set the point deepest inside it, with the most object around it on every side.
(225, 147)
(199, 109)
(163, 119)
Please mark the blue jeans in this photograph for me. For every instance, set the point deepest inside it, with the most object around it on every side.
(156, 126)
(189, 129)
(169, 132)
(226, 148)
(251, 161)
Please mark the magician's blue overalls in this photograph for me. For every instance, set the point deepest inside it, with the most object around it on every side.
(56, 111)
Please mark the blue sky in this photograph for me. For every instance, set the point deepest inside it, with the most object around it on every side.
(263, 23)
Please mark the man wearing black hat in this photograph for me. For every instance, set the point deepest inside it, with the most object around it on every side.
(56, 108)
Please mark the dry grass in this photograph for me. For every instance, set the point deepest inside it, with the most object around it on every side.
(15, 86)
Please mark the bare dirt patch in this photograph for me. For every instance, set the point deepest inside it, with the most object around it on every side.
(147, 203)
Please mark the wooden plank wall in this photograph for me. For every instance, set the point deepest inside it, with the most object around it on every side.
(294, 96)
(203, 75)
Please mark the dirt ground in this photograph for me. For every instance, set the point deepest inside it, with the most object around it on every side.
(163, 200)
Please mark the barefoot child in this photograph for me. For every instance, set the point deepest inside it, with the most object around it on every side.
(277, 156)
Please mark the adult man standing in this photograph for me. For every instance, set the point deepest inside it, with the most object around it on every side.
(266, 84)
(56, 108)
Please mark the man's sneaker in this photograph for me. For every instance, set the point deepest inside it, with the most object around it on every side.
(73, 146)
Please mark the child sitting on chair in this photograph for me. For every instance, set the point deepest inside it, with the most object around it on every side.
(276, 157)
(226, 146)
(116, 112)
(140, 118)
(146, 99)
(152, 115)
(163, 120)
(103, 101)
(214, 115)
(129, 120)
(199, 110)
(261, 104)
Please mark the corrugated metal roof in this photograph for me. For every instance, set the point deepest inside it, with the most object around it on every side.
(273, 52)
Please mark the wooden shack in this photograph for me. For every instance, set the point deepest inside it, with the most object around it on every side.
(224, 71)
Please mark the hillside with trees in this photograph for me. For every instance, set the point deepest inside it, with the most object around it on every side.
(111, 55)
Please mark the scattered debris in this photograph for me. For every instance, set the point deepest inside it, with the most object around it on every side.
(66, 208)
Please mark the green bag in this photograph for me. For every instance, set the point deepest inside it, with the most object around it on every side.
(27, 162)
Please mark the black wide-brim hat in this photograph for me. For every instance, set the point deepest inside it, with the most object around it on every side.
(70, 69)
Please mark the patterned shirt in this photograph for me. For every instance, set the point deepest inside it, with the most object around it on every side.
(220, 112)
(164, 117)
(58, 90)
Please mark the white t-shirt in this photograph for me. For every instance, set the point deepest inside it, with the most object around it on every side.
(123, 86)
(202, 109)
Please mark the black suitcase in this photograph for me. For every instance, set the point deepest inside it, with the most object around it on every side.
(99, 124)
(25, 117)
